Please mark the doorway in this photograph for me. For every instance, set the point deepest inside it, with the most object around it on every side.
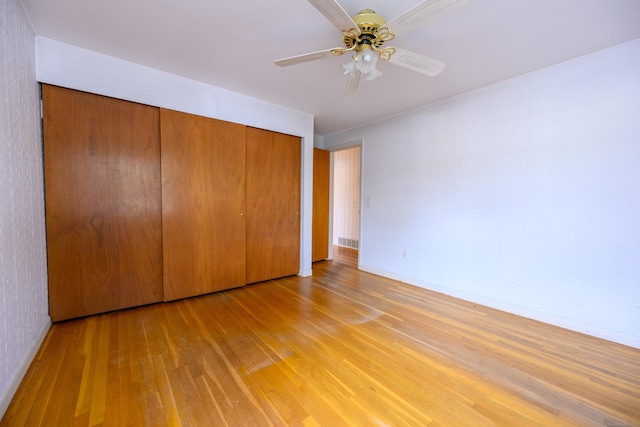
(346, 198)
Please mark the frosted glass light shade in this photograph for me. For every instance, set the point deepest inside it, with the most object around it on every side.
(365, 62)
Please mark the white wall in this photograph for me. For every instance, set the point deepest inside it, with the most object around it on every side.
(24, 309)
(524, 195)
(72, 67)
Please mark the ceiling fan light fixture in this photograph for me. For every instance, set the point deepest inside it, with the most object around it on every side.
(366, 35)
(364, 62)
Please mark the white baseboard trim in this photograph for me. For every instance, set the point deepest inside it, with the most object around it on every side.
(550, 319)
(12, 387)
(305, 273)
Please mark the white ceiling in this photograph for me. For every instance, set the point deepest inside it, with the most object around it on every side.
(232, 45)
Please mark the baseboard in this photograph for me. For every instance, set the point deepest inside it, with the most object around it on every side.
(550, 319)
(12, 387)
(305, 273)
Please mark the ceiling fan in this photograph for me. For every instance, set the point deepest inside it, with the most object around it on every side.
(366, 35)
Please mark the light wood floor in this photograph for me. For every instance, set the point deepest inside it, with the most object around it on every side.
(340, 348)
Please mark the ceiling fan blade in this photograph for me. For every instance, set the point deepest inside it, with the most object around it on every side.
(416, 62)
(332, 10)
(418, 14)
(285, 62)
(353, 83)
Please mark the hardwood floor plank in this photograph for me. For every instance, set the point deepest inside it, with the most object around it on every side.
(45, 391)
(342, 347)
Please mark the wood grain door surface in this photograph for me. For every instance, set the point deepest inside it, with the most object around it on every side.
(320, 222)
(103, 203)
(146, 204)
(203, 204)
(273, 205)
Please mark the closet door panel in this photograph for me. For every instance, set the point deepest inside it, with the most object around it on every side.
(203, 204)
(273, 205)
(320, 223)
(103, 203)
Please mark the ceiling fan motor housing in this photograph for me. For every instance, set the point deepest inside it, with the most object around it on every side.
(369, 23)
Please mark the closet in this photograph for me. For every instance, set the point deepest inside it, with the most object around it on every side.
(145, 204)
(203, 204)
(103, 203)
(273, 205)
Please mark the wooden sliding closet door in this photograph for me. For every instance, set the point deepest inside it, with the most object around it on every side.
(273, 205)
(203, 204)
(320, 223)
(103, 203)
